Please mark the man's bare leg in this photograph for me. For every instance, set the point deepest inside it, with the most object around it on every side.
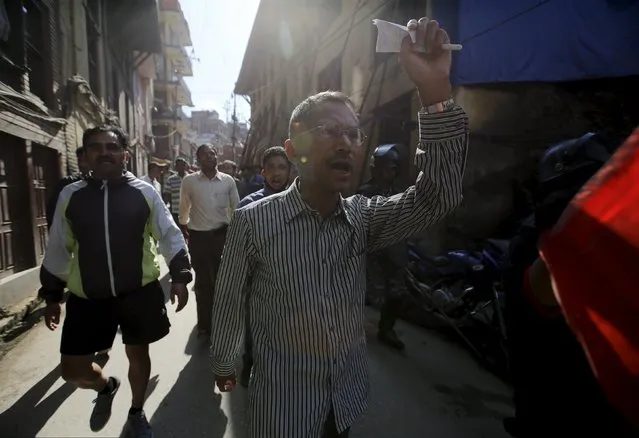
(83, 372)
(139, 373)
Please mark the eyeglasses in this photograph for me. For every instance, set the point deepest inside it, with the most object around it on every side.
(355, 135)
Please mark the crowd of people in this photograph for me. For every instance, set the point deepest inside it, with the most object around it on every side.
(280, 263)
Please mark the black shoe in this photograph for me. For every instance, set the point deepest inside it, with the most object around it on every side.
(138, 426)
(389, 337)
(102, 409)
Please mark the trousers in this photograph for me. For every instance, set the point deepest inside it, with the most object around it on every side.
(206, 254)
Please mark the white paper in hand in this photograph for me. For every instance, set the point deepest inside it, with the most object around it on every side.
(390, 37)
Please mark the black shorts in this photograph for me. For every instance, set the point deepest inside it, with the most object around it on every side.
(91, 325)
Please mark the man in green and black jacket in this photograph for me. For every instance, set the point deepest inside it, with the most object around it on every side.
(102, 248)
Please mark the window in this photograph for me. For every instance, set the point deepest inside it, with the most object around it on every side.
(37, 41)
(11, 50)
(92, 15)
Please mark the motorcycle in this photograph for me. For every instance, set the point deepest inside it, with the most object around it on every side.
(464, 288)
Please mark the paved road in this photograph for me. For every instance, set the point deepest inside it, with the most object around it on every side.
(434, 389)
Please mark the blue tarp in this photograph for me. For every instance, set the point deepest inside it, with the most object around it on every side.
(541, 40)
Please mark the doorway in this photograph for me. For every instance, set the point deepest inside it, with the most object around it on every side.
(16, 248)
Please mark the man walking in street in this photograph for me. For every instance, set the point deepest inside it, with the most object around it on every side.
(84, 171)
(100, 248)
(385, 269)
(275, 170)
(172, 188)
(154, 173)
(207, 201)
(230, 168)
(305, 252)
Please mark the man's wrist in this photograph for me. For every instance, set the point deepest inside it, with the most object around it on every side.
(431, 95)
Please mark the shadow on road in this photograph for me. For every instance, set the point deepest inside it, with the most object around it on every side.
(192, 408)
(30, 413)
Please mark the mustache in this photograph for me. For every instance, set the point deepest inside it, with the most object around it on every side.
(105, 160)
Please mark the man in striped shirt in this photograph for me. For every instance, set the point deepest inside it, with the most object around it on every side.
(305, 251)
(172, 188)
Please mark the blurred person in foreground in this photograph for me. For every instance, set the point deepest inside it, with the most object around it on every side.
(304, 250)
(588, 267)
(276, 168)
(385, 278)
(102, 248)
(555, 391)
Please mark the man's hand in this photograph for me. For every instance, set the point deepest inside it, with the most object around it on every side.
(52, 315)
(185, 232)
(179, 290)
(225, 383)
(429, 71)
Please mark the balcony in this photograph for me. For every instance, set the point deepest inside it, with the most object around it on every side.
(181, 60)
(171, 13)
(175, 90)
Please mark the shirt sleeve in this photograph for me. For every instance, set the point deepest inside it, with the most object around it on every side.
(185, 201)
(235, 197)
(172, 243)
(440, 159)
(229, 310)
(54, 271)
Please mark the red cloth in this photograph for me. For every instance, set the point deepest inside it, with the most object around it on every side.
(593, 256)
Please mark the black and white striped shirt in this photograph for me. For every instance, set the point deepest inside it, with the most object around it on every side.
(307, 294)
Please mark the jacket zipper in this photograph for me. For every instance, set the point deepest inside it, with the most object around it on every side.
(107, 237)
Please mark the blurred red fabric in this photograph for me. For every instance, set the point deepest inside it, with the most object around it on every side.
(593, 256)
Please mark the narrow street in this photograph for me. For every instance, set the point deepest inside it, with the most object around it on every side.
(434, 389)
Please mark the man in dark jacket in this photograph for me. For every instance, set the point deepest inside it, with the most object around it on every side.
(385, 269)
(102, 248)
(53, 199)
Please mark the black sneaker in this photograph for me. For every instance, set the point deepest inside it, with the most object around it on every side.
(102, 409)
(390, 338)
(137, 426)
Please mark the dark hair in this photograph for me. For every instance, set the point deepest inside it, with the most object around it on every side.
(202, 146)
(119, 133)
(79, 152)
(304, 113)
(272, 152)
(230, 163)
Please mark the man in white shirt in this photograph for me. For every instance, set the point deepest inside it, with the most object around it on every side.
(207, 201)
(154, 172)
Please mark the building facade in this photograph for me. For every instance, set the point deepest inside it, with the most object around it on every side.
(516, 107)
(65, 66)
(170, 124)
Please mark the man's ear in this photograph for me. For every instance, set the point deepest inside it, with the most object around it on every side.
(290, 150)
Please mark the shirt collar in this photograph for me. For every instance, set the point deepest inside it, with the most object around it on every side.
(203, 176)
(295, 205)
